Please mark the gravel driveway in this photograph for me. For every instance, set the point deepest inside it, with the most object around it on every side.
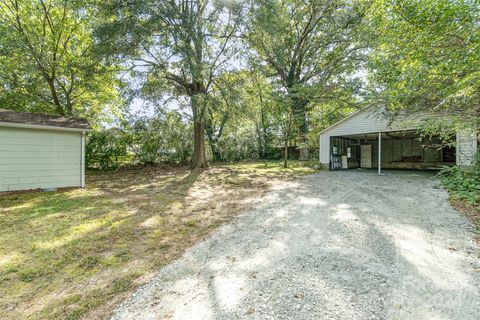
(335, 245)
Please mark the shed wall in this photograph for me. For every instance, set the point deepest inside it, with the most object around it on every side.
(31, 159)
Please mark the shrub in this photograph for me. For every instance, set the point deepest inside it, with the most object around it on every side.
(147, 141)
(106, 150)
(462, 184)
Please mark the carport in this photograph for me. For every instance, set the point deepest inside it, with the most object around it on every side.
(367, 139)
(392, 150)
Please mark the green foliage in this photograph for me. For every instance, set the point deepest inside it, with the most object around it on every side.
(48, 61)
(164, 138)
(106, 150)
(425, 57)
(463, 184)
(312, 50)
(225, 102)
(144, 141)
(239, 143)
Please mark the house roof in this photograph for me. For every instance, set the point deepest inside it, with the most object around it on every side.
(34, 120)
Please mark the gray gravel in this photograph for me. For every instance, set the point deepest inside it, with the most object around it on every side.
(335, 245)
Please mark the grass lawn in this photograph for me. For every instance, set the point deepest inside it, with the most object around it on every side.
(77, 254)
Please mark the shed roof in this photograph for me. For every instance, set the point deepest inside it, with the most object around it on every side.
(42, 120)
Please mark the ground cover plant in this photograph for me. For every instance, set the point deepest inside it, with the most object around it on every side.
(463, 185)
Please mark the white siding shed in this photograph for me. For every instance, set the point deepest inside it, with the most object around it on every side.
(41, 152)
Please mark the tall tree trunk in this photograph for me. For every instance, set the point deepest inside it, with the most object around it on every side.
(287, 140)
(264, 133)
(214, 134)
(199, 159)
(302, 142)
(215, 153)
(302, 127)
(285, 154)
(261, 153)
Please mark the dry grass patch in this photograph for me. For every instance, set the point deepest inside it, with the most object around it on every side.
(471, 211)
(76, 254)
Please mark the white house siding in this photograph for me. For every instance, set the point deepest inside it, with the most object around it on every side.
(366, 121)
(324, 149)
(363, 121)
(31, 159)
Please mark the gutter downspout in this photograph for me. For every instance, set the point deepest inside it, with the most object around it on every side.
(82, 161)
(319, 152)
(379, 153)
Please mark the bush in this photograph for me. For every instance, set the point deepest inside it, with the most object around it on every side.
(239, 143)
(165, 138)
(145, 141)
(106, 150)
(462, 184)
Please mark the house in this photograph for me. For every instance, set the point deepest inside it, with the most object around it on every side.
(41, 151)
(368, 138)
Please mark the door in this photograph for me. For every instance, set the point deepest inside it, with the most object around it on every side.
(366, 156)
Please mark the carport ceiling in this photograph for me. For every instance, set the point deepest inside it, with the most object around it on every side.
(385, 135)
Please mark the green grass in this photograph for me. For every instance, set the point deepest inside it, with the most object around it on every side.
(295, 168)
(76, 254)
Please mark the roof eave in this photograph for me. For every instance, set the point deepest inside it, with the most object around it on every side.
(44, 127)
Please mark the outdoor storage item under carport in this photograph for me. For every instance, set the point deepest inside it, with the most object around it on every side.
(41, 151)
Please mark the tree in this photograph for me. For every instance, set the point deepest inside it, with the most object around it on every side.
(225, 102)
(260, 105)
(285, 118)
(161, 138)
(425, 58)
(184, 44)
(48, 61)
(307, 45)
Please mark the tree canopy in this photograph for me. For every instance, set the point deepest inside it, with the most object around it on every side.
(160, 80)
(48, 60)
(184, 44)
(425, 56)
(310, 47)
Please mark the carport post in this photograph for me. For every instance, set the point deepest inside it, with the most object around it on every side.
(379, 153)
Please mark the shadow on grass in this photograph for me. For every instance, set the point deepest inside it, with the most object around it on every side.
(65, 255)
(63, 240)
